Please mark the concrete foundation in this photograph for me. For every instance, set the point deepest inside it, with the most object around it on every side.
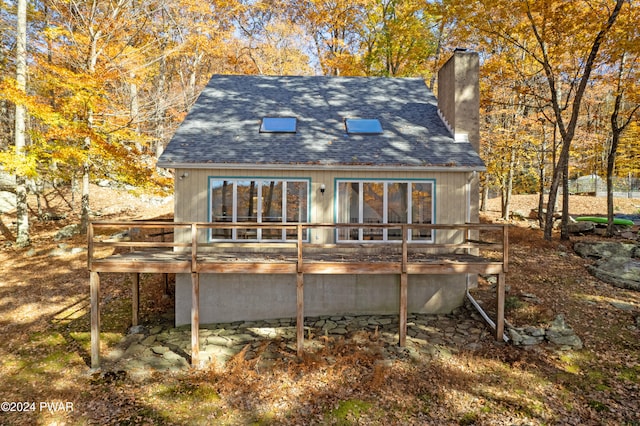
(242, 297)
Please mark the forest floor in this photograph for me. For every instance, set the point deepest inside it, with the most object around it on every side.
(45, 378)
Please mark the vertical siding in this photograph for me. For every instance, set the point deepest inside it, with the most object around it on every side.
(192, 198)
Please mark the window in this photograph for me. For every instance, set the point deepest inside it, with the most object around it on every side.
(384, 202)
(278, 125)
(369, 126)
(258, 201)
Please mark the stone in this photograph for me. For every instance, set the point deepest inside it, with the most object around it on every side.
(329, 325)
(7, 202)
(617, 263)
(599, 250)
(562, 335)
(171, 356)
(134, 350)
(618, 271)
(149, 340)
(623, 306)
(535, 331)
(580, 227)
(67, 232)
(137, 329)
(571, 341)
(159, 350)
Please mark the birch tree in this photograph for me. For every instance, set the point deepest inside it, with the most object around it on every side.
(22, 209)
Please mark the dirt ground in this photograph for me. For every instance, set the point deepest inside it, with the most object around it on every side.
(579, 205)
(44, 356)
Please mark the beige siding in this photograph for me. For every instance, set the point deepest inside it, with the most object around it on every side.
(191, 192)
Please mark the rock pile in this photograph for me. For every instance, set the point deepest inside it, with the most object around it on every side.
(616, 263)
(557, 333)
(164, 348)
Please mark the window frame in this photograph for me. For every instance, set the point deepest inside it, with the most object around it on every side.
(278, 125)
(360, 226)
(259, 199)
(362, 126)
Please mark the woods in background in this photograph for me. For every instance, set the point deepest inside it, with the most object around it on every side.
(105, 83)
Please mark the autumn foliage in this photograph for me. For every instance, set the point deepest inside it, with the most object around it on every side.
(109, 82)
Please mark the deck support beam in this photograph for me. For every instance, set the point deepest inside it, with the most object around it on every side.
(500, 307)
(195, 319)
(300, 313)
(135, 299)
(94, 284)
(402, 332)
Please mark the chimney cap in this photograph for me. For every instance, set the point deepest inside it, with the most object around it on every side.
(460, 49)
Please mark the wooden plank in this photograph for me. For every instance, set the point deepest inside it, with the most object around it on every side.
(300, 313)
(247, 268)
(140, 266)
(194, 248)
(195, 320)
(505, 247)
(94, 284)
(135, 298)
(139, 244)
(500, 307)
(352, 268)
(89, 245)
(454, 268)
(405, 252)
(403, 309)
(222, 267)
(299, 247)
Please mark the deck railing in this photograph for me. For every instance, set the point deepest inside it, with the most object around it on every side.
(193, 238)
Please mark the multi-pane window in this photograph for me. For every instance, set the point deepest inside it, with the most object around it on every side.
(384, 202)
(258, 201)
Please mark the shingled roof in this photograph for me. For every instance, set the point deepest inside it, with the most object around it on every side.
(222, 128)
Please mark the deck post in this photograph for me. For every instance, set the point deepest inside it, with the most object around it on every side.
(300, 313)
(402, 332)
(94, 284)
(135, 298)
(500, 307)
(299, 297)
(195, 319)
(505, 247)
(403, 310)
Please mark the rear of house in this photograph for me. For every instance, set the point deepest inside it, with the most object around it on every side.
(323, 150)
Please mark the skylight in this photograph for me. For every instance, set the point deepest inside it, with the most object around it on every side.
(278, 125)
(370, 126)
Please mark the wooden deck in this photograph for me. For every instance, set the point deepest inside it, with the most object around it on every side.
(468, 255)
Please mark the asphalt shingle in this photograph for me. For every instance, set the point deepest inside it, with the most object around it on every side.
(222, 128)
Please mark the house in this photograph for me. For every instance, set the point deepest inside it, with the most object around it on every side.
(326, 150)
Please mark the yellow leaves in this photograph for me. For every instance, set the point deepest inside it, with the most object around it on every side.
(20, 164)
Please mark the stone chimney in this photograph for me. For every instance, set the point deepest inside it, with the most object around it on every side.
(459, 96)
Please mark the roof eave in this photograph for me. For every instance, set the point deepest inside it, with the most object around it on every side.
(340, 167)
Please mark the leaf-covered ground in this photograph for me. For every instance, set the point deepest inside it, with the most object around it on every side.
(44, 325)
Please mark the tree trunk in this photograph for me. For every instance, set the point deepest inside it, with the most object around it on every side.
(22, 209)
(542, 177)
(86, 166)
(508, 187)
(485, 194)
(611, 161)
(616, 132)
(567, 131)
(564, 222)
